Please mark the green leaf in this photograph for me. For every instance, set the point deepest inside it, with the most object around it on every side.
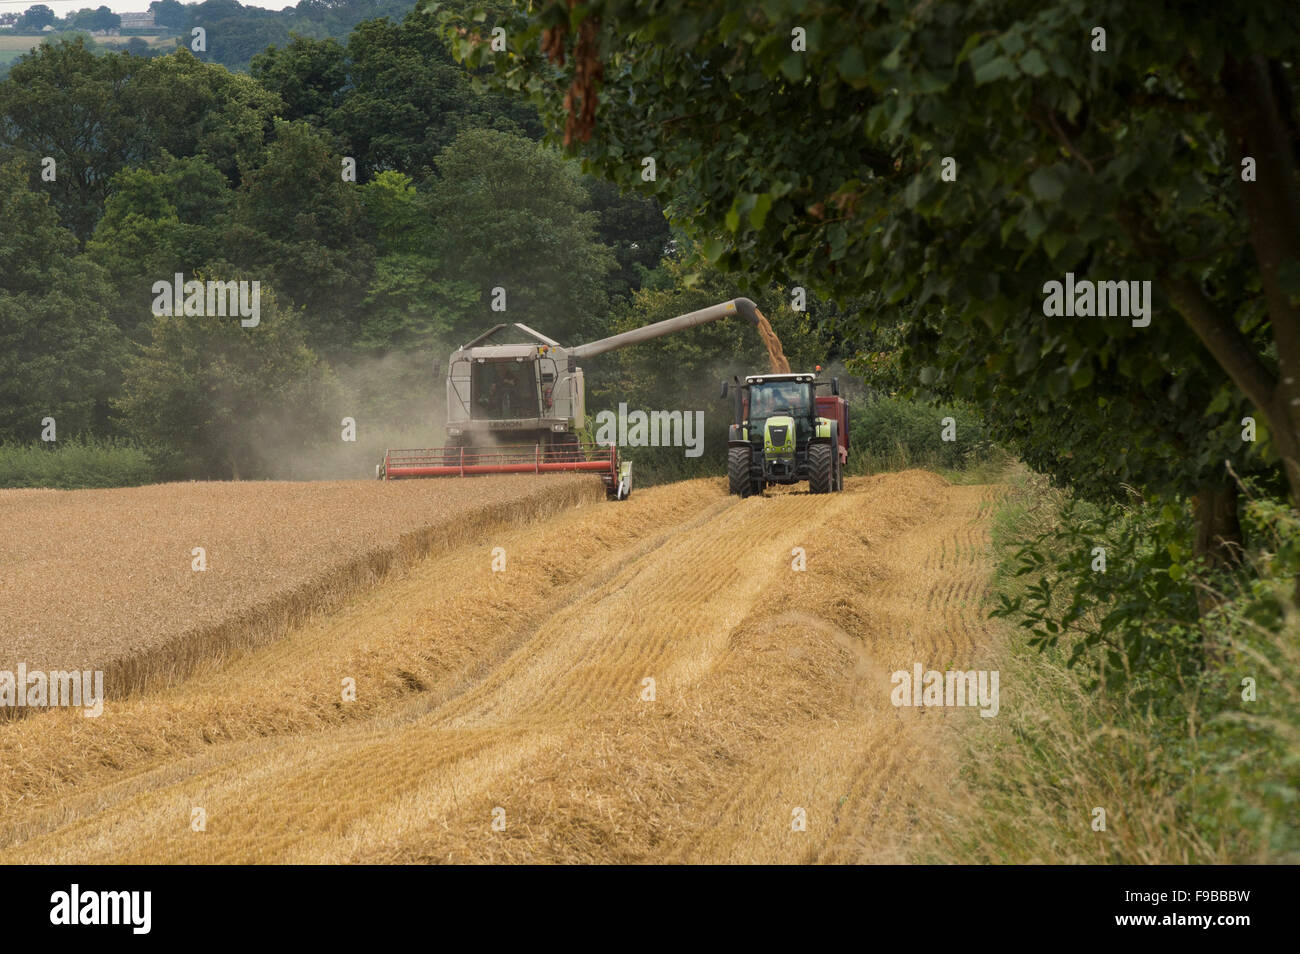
(792, 66)
(1033, 223)
(1047, 183)
(971, 43)
(1053, 242)
(826, 94)
(852, 64)
(1288, 279)
(1000, 67)
(1033, 63)
(712, 248)
(762, 205)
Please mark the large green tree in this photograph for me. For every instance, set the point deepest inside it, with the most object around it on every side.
(805, 142)
(411, 304)
(510, 214)
(171, 216)
(64, 103)
(96, 115)
(298, 224)
(219, 397)
(408, 100)
(58, 350)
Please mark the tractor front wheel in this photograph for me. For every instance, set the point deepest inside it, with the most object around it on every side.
(821, 469)
(739, 462)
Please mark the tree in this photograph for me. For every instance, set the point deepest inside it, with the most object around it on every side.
(509, 215)
(187, 107)
(168, 13)
(807, 142)
(101, 18)
(633, 227)
(215, 394)
(308, 75)
(37, 17)
(95, 115)
(300, 225)
(408, 100)
(160, 220)
(57, 347)
(411, 303)
(64, 102)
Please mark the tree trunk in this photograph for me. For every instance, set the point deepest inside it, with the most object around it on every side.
(1218, 533)
(1259, 121)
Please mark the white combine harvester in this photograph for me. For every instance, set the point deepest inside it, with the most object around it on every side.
(519, 407)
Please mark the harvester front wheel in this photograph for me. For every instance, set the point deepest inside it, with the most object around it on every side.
(821, 469)
(567, 448)
(739, 461)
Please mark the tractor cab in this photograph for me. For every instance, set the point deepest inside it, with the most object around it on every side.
(781, 396)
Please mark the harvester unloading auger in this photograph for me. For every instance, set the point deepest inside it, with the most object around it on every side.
(520, 407)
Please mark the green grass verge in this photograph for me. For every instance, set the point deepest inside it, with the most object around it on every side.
(1214, 780)
(75, 464)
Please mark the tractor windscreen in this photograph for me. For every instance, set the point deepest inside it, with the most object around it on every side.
(773, 398)
(504, 390)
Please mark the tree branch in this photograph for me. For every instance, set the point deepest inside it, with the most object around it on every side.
(1046, 119)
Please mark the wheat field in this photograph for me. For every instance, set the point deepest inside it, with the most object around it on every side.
(506, 716)
(107, 579)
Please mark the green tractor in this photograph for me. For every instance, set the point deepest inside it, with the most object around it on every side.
(784, 433)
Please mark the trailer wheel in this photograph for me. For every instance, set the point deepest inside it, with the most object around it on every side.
(821, 469)
(739, 462)
(839, 472)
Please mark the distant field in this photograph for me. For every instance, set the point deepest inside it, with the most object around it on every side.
(12, 47)
(153, 41)
(19, 43)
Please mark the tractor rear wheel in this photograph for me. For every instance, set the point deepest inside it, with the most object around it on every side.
(739, 461)
(821, 469)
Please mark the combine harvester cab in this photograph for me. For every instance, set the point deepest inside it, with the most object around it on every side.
(783, 432)
(516, 404)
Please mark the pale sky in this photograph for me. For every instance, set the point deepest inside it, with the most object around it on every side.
(61, 7)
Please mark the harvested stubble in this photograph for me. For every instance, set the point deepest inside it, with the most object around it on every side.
(103, 579)
(524, 690)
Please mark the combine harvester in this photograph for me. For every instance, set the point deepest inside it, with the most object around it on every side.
(520, 408)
